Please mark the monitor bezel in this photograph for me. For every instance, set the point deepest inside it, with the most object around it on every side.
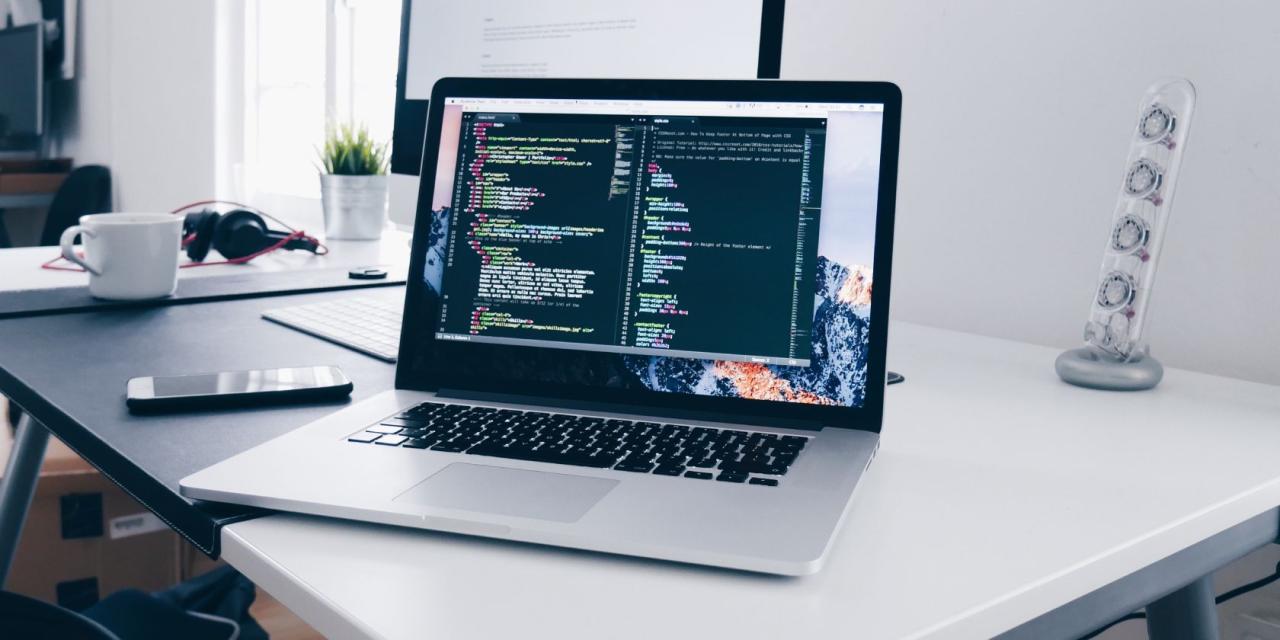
(867, 417)
(410, 118)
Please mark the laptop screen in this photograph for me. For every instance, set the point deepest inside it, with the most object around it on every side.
(710, 248)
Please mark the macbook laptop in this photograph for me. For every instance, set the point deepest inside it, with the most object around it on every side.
(643, 317)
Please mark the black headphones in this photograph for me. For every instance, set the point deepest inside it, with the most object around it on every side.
(237, 234)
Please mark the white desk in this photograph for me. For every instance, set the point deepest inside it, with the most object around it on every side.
(1000, 495)
(20, 268)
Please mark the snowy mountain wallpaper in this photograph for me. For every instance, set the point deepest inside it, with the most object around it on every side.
(837, 375)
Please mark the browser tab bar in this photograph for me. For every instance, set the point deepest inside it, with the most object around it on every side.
(661, 107)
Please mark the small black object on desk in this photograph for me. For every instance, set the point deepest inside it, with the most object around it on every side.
(367, 273)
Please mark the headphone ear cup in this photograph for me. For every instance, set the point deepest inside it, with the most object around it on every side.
(202, 224)
(241, 233)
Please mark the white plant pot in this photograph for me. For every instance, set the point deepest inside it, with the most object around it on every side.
(355, 207)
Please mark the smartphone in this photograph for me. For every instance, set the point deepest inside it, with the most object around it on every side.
(236, 388)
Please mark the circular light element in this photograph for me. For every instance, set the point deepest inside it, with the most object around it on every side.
(1143, 179)
(1116, 291)
(1129, 235)
(1118, 331)
(1111, 333)
(1157, 123)
(1096, 333)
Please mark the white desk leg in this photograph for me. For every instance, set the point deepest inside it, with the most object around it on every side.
(1186, 614)
(18, 485)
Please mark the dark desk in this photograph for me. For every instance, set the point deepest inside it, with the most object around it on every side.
(69, 372)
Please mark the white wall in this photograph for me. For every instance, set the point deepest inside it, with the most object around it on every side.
(1017, 119)
(144, 101)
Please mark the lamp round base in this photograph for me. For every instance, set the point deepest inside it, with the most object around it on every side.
(1092, 368)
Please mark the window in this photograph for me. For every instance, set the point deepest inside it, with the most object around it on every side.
(309, 63)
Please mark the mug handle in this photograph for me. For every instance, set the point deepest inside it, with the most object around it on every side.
(68, 248)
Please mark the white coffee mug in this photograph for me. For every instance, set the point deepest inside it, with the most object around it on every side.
(129, 256)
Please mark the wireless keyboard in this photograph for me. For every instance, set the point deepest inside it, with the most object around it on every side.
(366, 324)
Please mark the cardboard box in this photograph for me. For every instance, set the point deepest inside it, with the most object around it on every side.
(85, 538)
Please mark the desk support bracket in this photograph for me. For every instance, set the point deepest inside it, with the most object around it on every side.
(18, 486)
(1186, 614)
(1176, 591)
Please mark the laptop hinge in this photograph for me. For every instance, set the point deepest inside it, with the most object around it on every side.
(566, 404)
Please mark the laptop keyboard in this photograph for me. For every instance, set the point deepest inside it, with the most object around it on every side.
(703, 453)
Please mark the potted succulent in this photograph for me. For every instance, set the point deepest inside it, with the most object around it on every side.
(353, 184)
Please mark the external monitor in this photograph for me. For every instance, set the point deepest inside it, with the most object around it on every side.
(704, 39)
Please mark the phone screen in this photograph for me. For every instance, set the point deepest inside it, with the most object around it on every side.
(262, 380)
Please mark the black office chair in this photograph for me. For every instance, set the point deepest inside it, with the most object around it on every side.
(86, 190)
(23, 617)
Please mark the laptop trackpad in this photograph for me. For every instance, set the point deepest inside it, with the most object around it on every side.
(510, 492)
